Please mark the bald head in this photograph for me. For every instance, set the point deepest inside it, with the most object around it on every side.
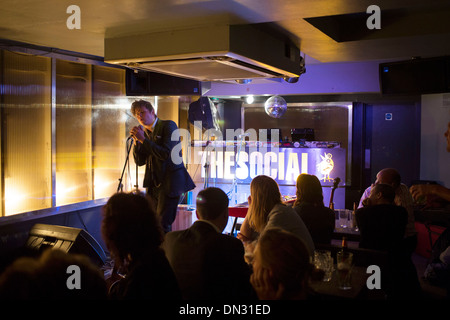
(389, 176)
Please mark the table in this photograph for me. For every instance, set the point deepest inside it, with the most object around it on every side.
(330, 289)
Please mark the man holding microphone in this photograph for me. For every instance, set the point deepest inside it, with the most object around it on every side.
(164, 180)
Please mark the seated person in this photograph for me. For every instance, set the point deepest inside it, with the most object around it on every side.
(319, 219)
(281, 267)
(382, 227)
(381, 223)
(402, 198)
(209, 264)
(434, 192)
(266, 210)
(46, 277)
(133, 236)
(437, 271)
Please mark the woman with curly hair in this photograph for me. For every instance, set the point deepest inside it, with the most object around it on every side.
(133, 236)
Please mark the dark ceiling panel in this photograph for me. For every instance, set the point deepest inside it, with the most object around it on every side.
(394, 23)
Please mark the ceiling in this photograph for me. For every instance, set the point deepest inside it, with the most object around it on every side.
(325, 30)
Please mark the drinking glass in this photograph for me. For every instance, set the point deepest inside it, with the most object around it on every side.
(343, 218)
(344, 269)
(324, 261)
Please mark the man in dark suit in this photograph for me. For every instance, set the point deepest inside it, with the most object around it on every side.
(207, 263)
(382, 227)
(166, 177)
(381, 223)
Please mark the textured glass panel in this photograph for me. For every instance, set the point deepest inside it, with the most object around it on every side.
(26, 132)
(108, 131)
(73, 133)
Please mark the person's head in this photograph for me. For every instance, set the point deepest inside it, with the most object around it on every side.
(447, 135)
(309, 190)
(264, 195)
(287, 259)
(212, 205)
(389, 176)
(143, 111)
(130, 227)
(48, 277)
(382, 194)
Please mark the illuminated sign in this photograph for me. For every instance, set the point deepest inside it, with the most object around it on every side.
(282, 164)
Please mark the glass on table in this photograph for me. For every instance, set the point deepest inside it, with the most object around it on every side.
(344, 261)
(324, 262)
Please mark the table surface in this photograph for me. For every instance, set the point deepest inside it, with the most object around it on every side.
(330, 289)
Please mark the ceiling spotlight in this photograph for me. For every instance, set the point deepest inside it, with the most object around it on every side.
(291, 79)
(249, 99)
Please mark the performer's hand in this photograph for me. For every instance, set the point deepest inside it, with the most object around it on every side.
(138, 134)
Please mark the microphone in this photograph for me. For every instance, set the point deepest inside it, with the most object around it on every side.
(131, 136)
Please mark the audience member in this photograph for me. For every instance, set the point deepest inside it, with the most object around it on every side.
(49, 278)
(281, 267)
(266, 210)
(382, 227)
(402, 198)
(433, 190)
(133, 236)
(207, 263)
(438, 270)
(381, 223)
(319, 219)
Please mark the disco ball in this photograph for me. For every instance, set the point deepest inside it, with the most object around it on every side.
(275, 107)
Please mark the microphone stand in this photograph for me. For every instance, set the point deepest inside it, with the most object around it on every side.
(120, 186)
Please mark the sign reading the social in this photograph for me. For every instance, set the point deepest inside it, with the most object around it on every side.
(282, 164)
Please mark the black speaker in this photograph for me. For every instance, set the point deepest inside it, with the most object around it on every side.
(158, 84)
(416, 76)
(67, 239)
(203, 110)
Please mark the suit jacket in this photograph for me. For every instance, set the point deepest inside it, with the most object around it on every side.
(208, 264)
(156, 154)
(382, 227)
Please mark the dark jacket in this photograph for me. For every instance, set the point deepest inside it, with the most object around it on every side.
(150, 277)
(156, 154)
(209, 265)
(382, 226)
